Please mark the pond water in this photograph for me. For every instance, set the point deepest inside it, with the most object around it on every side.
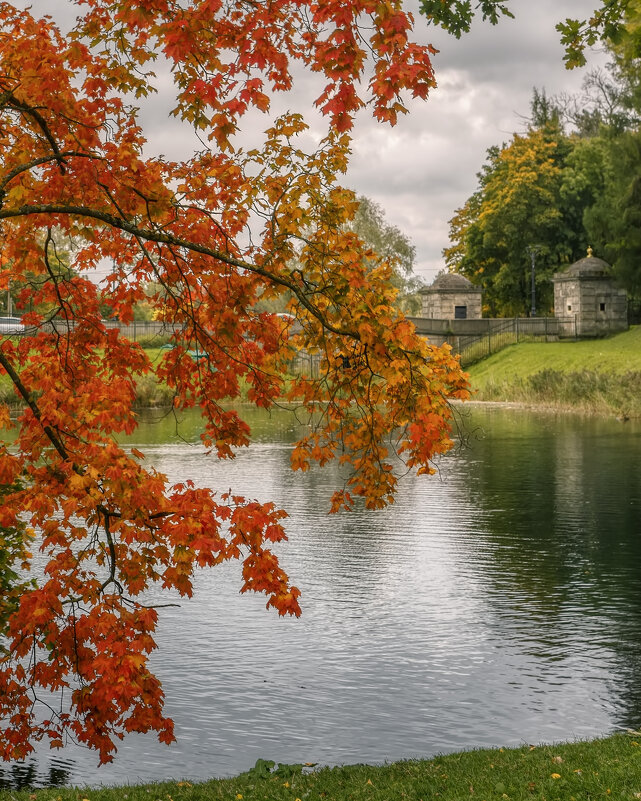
(495, 603)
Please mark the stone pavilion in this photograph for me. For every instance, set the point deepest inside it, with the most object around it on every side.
(451, 297)
(587, 300)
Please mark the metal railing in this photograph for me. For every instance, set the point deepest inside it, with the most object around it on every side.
(476, 339)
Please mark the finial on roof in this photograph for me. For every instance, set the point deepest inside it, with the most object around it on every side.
(589, 252)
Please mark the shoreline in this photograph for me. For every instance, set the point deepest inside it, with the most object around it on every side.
(604, 767)
(547, 408)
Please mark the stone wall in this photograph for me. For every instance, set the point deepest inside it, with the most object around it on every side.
(435, 328)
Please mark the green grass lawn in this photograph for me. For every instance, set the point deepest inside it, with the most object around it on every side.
(617, 354)
(599, 376)
(582, 771)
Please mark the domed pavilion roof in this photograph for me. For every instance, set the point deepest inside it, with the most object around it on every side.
(452, 282)
(586, 268)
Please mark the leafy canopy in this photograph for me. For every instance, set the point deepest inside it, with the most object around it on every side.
(392, 245)
(201, 241)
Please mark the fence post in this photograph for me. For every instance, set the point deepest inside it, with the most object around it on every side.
(516, 320)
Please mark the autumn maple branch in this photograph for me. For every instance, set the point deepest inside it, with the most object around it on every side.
(169, 239)
(28, 398)
(43, 160)
(111, 579)
(24, 108)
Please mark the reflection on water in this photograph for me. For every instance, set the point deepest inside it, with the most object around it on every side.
(27, 774)
(496, 603)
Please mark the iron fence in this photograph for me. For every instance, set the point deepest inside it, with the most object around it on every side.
(476, 339)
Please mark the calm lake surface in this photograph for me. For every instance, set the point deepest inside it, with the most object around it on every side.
(495, 604)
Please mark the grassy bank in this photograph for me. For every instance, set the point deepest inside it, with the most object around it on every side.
(600, 376)
(600, 769)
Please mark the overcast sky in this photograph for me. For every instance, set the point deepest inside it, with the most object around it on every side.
(422, 170)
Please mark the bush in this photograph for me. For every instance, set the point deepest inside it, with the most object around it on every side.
(149, 392)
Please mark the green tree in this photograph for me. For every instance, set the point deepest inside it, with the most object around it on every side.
(518, 205)
(626, 250)
(625, 49)
(613, 220)
(388, 244)
(543, 110)
(584, 180)
(393, 246)
(456, 18)
(602, 107)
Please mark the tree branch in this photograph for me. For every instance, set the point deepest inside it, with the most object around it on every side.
(169, 239)
(28, 398)
(42, 123)
(43, 160)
